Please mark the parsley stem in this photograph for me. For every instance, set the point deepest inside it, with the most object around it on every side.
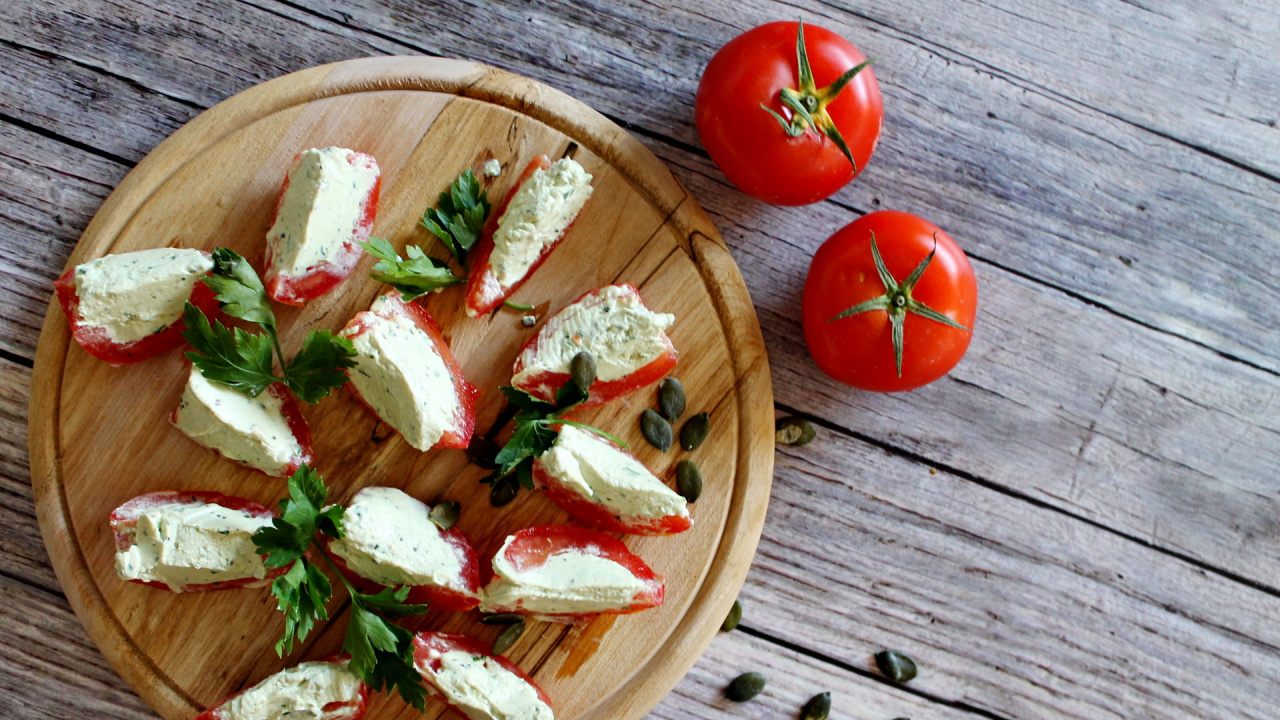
(350, 590)
(518, 306)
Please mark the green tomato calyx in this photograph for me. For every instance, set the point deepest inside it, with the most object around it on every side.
(897, 300)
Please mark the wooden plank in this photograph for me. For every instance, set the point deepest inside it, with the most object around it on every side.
(1038, 184)
(24, 557)
(1011, 609)
(1057, 399)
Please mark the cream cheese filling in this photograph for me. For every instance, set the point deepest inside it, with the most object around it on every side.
(297, 693)
(320, 209)
(391, 540)
(614, 326)
(135, 294)
(192, 544)
(604, 474)
(402, 376)
(484, 690)
(544, 206)
(567, 583)
(253, 431)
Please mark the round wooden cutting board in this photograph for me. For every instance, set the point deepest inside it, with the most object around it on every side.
(100, 435)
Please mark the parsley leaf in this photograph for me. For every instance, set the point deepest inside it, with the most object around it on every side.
(301, 595)
(458, 217)
(382, 655)
(239, 289)
(235, 359)
(414, 277)
(317, 367)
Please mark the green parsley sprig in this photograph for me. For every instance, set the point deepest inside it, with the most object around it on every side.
(536, 427)
(414, 277)
(243, 360)
(459, 215)
(381, 652)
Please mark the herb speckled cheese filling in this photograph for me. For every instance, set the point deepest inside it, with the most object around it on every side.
(604, 474)
(297, 693)
(253, 431)
(567, 583)
(484, 690)
(133, 295)
(391, 540)
(192, 544)
(320, 209)
(544, 206)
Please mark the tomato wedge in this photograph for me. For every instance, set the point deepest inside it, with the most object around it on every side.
(429, 649)
(300, 289)
(532, 548)
(353, 709)
(601, 515)
(484, 292)
(541, 378)
(125, 518)
(392, 306)
(98, 343)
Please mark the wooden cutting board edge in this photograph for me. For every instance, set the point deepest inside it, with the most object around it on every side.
(646, 173)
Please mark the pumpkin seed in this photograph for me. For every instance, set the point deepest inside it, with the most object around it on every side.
(671, 398)
(656, 430)
(582, 370)
(745, 686)
(695, 431)
(794, 431)
(818, 707)
(483, 452)
(688, 480)
(896, 666)
(501, 619)
(445, 514)
(508, 637)
(733, 618)
(504, 491)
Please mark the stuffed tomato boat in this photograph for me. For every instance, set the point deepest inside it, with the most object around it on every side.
(477, 685)
(315, 690)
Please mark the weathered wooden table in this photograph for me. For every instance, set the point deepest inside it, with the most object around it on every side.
(1082, 520)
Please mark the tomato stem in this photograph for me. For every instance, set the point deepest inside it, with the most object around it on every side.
(809, 103)
(897, 300)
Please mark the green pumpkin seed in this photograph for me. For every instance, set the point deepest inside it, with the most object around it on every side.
(483, 452)
(818, 707)
(688, 481)
(794, 431)
(504, 491)
(733, 618)
(508, 637)
(582, 370)
(671, 398)
(445, 514)
(501, 619)
(745, 686)
(695, 431)
(656, 430)
(896, 666)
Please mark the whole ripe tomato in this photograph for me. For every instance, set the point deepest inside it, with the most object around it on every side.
(797, 164)
(934, 310)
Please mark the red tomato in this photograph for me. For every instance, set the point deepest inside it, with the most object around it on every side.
(859, 350)
(323, 277)
(544, 385)
(97, 343)
(352, 710)
(125, 518)
(599, 515)
(430, 647)
(459, 436)
(532, 547)
(750, 145)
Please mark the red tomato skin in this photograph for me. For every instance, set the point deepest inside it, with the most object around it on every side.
(298, 290)
(459, 436)
(545, 385)
(439, 598)
(125, 518)
(600, 516)
(533, 546)
(429, 647)
(749, 145)
(858, 350)
(297, 425)
(333, 711)
(96, 342)
(484, 294)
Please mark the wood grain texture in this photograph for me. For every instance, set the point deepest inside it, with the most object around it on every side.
(197, 190)
(1051, 188)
